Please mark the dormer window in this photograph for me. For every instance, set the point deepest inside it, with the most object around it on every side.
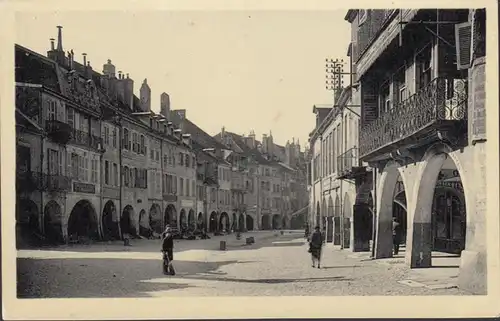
(362, 15)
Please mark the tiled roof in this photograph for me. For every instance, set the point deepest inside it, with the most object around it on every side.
(247, 150)
(201, 137)
(31, 67)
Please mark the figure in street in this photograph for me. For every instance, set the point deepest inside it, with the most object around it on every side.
(396, 235)
(315, 246)
(167, 250)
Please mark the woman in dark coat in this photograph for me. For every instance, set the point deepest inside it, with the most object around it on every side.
(315, 246)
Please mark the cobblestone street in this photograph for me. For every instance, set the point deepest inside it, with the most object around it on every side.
(274, 265)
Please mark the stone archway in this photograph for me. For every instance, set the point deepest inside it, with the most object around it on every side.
(170, 217)
(284, 222)
(249, 222)
(110, 222)
(234, 222)
(144, 228)
(183, 224)
(82, 222)
(337, 233)
(241, 222)
(318, 214)
(191, 220)
(155, 219)
(52, 223)
(390, 179)
(436, 216)
(127, 222)
(323, 215)
(329, 221)
(224, 222)
(266, 222)
(347, 216)
(276, 222)
(27, 223)
(200, 222)
(212, 223)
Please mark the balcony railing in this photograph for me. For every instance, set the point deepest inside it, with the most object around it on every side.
(86, 139)
(58, 131)
(56, 183)
(442, 102)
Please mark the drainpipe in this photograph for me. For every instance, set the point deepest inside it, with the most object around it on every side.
(374, 210)
(101, 156)
(120, 146)
(42, 221)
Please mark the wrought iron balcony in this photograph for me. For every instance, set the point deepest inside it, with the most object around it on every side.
(28, 181)
(58, 131)
(440, 106)
(56, 183)
(348, 166)
(79, 137)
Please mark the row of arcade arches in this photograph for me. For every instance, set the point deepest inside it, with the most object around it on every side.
(439, 224)
(83, 221)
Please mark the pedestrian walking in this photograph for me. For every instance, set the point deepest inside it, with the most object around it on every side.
(396, 235)
(167, 250)
(315, 246)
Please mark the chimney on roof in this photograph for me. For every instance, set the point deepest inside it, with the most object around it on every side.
(165, 105)
(128, 87)
(120, 88)
(145, 93)
(109, 69)
(59, 38)
(52, 44)
(84, 59)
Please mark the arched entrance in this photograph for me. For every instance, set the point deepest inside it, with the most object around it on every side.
(212, 225)
(318, 212)
(170, 217)
(200, 222)
(144, 228)
(336, 222)
(191, 220)
(363, 218)
(347, 211)
(234, 222)
(110, 224)
(27, 224)
(284, 222)
(155, 219)
(127, 221)
(329, 221)
(322, 224)
(52, 223)
(182, 220)
(266, 222)
(249, 223)
(439, 220)
(82, 222)
(224, 222)
(399, 212)
(241, 222)
(276, 222)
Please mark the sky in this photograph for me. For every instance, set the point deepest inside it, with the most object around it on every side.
(244, 70)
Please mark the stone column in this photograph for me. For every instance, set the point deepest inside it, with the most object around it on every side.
(386, 181)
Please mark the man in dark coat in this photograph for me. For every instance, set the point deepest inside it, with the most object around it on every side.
(167, 249)
(396, 235)
(315, 246)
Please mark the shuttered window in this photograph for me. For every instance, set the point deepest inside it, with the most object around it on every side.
(463, 39)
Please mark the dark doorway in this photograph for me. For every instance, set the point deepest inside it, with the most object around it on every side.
(249, 223)
(110, 225)
(212, 225)
(276, 222)
(82, 222)
(52, 223)
(266, 222)
(127, 223)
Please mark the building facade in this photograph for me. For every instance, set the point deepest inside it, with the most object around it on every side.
(421, 135)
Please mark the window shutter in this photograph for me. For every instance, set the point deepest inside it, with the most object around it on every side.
(463, 40)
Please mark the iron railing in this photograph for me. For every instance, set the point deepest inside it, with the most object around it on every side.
(347, 161)
(31, 181)
(86, 139)
(442, 100)
(58, 131)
